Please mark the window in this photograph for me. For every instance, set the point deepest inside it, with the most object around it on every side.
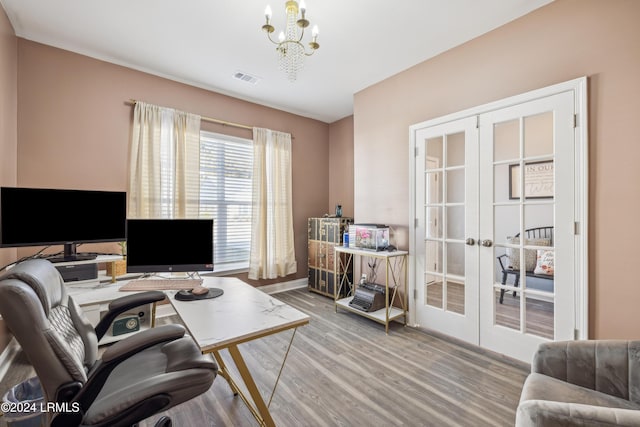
(225, 195)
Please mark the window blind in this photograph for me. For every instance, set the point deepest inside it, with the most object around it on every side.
(225, 194)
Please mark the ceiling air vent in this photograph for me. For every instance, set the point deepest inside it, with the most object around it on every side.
(247, 78)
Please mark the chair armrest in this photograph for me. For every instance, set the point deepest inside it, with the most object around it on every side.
(608, 366)
(126, 348)
(532, 413)
(122, 304)
(119, 352)
(500, 261)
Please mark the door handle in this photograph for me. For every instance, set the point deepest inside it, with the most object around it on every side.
(487, 243)
(470, 241)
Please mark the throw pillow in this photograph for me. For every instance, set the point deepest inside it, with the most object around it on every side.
(544, 264)
(530, 255)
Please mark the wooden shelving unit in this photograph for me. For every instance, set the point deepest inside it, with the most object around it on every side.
(324, 235)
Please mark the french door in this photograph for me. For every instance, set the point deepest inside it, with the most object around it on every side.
(483, 184)
(447, 260)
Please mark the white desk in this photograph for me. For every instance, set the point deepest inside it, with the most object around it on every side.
(243, 313)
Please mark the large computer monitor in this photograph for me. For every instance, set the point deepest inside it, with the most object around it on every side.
(44, 216)
(169, 245)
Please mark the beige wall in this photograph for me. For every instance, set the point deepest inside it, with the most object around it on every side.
(74, 128)
(341, 166)
(561, 41)
(8, 127)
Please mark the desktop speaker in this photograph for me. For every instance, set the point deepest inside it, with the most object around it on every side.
(78, 272)
(124, 325)
(131, 321)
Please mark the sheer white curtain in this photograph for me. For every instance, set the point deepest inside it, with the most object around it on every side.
(272, 247)
(164, 170)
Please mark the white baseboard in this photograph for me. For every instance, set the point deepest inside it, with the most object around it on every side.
(7, 356)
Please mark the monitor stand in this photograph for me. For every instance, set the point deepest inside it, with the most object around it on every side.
(71, 255)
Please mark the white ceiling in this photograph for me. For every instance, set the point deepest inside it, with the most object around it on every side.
(204, 42)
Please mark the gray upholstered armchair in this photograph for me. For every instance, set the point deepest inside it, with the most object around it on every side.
(585, 383)
(135, 378)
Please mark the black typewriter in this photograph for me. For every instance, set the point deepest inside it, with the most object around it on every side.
(368, 297)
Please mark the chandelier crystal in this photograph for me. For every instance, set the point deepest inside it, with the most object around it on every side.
(291, 51)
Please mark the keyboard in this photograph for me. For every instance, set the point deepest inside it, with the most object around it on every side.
(360, 304)
(161, 284)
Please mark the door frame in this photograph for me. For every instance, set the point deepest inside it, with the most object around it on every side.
(581, 268)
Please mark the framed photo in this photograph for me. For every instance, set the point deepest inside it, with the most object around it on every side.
(538, 180)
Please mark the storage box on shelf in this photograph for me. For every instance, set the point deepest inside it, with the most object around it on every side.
(369, 236)
(324, 235)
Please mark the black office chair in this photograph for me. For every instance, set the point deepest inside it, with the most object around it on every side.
(136, 377)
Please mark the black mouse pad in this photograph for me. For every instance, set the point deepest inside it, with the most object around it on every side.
(187, 295)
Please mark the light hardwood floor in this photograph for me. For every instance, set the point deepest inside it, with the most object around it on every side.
(344, 371)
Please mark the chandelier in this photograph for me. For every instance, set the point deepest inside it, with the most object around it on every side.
(291, 51)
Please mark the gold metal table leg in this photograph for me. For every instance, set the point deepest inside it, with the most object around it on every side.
(263, 416)
(255, 403)
(224, 373)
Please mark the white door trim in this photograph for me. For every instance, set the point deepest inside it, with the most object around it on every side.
(579, 88)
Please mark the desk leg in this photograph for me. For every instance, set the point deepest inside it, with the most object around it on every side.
(224, 373)
(265, 415)
(259, 409)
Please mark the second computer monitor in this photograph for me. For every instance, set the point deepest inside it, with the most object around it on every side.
(169, 245)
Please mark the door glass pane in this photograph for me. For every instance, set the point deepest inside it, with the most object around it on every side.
(539, 215)
(538, 134)
(433, 187)
(507, 314)
(455, 186)
(506, 140)
(433, 256)
(434, 153)
(455, 222)
(434, 222)
(433, 291)
(455, 259)
(502, 264)
(455, 149)
(539, 315)
(538, 180)
(506, 223)
(455, 296)
(502, 183)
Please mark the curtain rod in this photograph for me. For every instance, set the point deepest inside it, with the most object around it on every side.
(209, 119)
